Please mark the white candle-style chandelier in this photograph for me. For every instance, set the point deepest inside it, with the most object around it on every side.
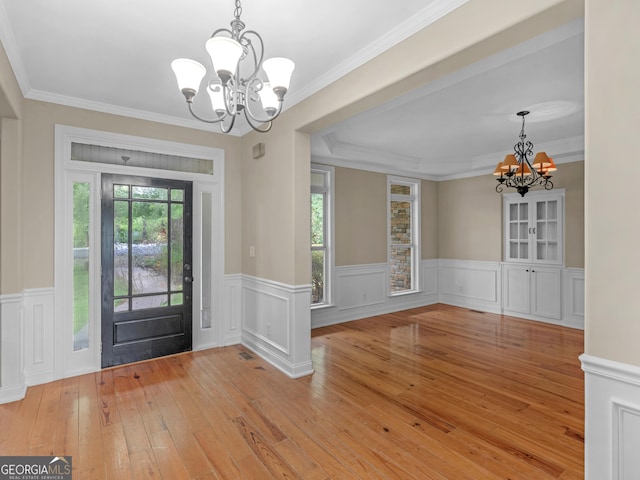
(516, 171)
(233, 51)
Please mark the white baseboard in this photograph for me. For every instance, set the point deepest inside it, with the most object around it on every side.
(612, 419)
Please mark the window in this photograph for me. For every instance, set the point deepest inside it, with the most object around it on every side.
(404, 238)
(321, 234)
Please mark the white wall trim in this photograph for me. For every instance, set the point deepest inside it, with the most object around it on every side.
(12, 384)
(573, 297)
(470, 284)
(276, 321)
(612, 419)
(39, 335)
(362, 293)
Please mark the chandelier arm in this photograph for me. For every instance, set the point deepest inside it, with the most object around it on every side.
(256, 127)
(248, 112)
(257, 59)
(227, 130)
(217, 120)
(220, 30)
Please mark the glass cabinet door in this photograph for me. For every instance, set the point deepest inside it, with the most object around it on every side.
(533, 228)
(518, 231)
(546, 231)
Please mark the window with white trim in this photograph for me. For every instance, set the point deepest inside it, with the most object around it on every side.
(321, 234)
(403, 234)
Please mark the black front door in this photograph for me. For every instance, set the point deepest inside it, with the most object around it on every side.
(146, 268)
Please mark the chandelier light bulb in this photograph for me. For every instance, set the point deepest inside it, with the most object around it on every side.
(225, 54)
(279, 72)
(268, 98)
(189, 74)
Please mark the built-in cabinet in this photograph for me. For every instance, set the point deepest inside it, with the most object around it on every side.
(533, 254)
(534, 227)
(532, 290)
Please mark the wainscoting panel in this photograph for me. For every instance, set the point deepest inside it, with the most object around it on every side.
(39, 335)
(612, 419)
(232, 309)
(573, 301)
(276, 324)
(362, 292)
(361, 285)
(471, 284)
(12, 384)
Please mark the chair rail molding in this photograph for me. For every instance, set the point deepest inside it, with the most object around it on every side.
(612, 419)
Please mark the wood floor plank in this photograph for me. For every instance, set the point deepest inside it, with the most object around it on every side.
(436, 392)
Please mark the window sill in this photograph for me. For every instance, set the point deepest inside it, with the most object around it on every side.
(322, 306)
(401, 294)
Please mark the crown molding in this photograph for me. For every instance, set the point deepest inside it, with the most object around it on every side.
(75, 102)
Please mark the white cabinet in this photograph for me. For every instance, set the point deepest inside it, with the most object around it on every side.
(533, 227)
(532, 290)
(533, 254)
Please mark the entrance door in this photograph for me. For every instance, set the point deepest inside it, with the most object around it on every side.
(146, 268)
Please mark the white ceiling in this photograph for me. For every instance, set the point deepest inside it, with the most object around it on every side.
(115, 57)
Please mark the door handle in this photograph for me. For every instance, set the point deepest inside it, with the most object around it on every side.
(188, 279)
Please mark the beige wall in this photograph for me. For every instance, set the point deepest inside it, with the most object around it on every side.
(429, 213)
(612, 270)
(470, 219)
(360, 217)
(37, 190)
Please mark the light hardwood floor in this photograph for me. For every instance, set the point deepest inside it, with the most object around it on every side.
(431, 393)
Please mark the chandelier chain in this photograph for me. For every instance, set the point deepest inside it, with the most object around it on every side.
(238, 11)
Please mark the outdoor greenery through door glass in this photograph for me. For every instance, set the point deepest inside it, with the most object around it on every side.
(80, 265)
(147, 256)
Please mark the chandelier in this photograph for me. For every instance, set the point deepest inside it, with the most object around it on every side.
(234, 53)
(517, 171)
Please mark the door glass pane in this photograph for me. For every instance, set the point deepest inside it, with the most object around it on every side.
(80, 266)
(177, 195)
(176, 299)
(121, 305)
(400, 222)
(317, 219)
(120, 248)
(149, 254)
(121, 191)
(317, 276)
(177, 236)
(400, 269)
(541, 210)
(154, 193)
(153, 301)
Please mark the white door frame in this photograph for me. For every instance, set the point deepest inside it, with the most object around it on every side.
(68, 363)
